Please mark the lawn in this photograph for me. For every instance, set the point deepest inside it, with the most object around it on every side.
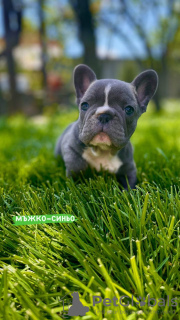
(123, 243)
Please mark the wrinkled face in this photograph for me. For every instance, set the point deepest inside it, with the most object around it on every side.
(108, 114)
(109, 109)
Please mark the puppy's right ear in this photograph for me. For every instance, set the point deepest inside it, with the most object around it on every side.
(145, 85)
(83, 77)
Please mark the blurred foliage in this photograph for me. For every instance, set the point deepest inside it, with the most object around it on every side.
(153, 24)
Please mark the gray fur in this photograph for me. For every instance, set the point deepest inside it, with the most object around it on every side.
(119, 127)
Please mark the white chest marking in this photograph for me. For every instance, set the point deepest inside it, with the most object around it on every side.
(102, 160)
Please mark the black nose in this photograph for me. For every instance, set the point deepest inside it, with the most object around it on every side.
(104, 118)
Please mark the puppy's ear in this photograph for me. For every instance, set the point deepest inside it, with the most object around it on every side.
(146, 84)
(83, 77)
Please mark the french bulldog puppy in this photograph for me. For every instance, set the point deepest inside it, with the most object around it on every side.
(108, 114)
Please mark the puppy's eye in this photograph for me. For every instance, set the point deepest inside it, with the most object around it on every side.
(84, 106)
(129, 110)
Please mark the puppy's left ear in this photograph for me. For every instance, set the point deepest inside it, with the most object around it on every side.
(83, 77)
(146, 84)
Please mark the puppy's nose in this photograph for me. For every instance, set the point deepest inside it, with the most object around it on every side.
(105, 117)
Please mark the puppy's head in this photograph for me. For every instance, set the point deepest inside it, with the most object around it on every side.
(109, 109)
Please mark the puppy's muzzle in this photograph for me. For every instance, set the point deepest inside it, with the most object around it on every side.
(104, 114)
(105, 118)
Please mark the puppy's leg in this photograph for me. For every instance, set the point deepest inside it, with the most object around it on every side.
(127, 175)
(125, 180)
(74, 163)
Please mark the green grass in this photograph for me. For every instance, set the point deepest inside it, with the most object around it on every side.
(123, 243)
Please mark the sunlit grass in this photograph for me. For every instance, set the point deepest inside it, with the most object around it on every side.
(123, 243)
